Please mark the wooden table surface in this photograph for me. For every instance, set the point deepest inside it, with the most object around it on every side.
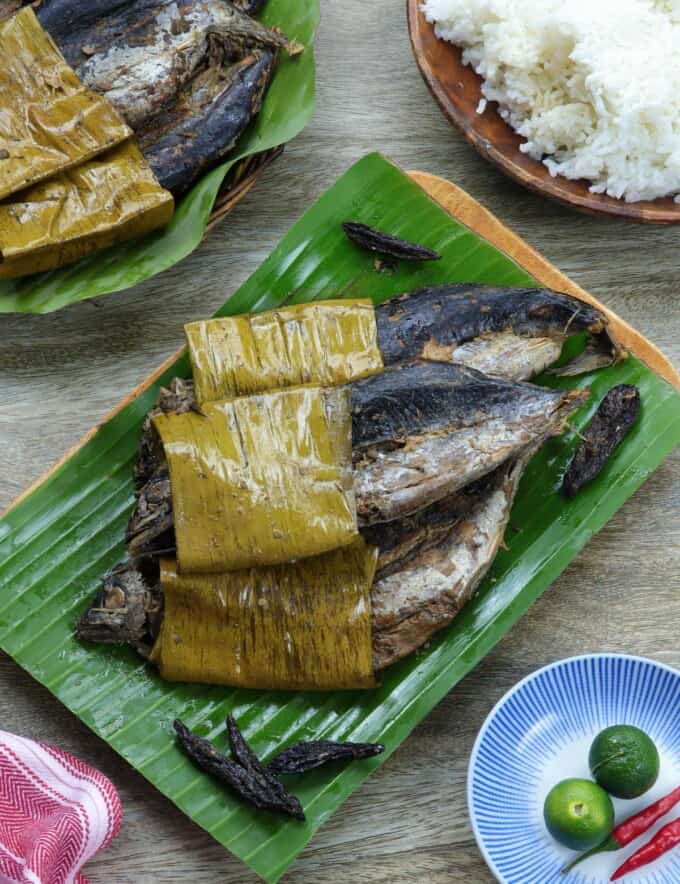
(61, 373)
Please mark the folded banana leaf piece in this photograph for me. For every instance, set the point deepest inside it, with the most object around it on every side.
(188, 76)
(304, 625)
(107, 200)
(325, 343)
(50, 122)
(262, 479)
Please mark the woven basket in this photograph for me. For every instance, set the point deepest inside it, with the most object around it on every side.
(239, 181)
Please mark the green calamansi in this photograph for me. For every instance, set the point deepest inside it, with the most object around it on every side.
(578, 813)
(624, 761)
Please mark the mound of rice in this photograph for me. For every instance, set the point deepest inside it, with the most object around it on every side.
(592, 85)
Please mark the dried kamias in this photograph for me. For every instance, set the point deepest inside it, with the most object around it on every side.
(50, 121)
(373, 240)
(613, 420)
(256, 783)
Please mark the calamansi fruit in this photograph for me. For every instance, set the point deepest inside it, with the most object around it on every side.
(578, 813)
(624, 761)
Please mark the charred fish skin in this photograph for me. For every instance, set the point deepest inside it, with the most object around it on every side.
(432, 397)
(187, 75)
(142, 53)
(511, 332)
(421, 594)
(189, 145)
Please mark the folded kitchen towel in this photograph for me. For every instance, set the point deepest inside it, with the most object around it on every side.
(56, 812)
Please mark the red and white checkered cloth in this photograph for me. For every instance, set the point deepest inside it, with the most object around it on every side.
(56, 812)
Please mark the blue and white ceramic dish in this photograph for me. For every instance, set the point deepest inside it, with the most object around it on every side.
(539, 734)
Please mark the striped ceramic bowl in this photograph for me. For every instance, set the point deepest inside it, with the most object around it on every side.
(539, 734)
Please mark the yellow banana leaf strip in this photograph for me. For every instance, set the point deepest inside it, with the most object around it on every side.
(300, 626)
(49, 121)
(325, 343)
(107, 200)
(261, 480)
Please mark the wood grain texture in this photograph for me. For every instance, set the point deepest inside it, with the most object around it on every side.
(457, 89)
(61, 373)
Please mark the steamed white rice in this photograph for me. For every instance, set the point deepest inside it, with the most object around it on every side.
(592, 85)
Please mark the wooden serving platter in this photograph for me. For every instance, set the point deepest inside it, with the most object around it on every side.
(457, 89)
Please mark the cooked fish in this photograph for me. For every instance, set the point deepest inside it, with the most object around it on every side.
(515, 333)
(429, 567)
(187, 75)
(128, 609)
(419, 433)
(204, 125)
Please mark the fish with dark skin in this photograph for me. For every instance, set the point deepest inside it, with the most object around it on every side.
(419, 433)
(188, 76)
(509, 333)
(428, 568)
(515, 333)
(180, 147)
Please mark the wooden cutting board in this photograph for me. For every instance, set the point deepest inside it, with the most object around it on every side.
(469, 212)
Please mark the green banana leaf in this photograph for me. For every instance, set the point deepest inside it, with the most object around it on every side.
(58, 542)
(287, 108)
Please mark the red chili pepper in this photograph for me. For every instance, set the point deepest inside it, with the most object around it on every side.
(665, 839)
(632, 828)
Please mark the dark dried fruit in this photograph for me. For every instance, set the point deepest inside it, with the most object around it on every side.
(315, 753)
(376, 241)
(251, 781)
(613, 420)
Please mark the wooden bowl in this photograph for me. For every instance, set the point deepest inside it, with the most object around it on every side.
(457, 89)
